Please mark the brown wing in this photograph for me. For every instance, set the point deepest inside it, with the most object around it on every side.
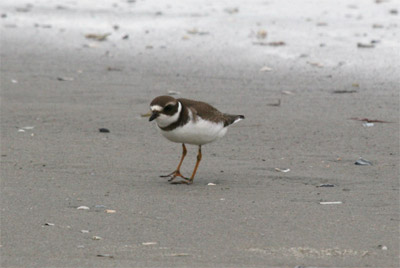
(205, 110)
(202, 109)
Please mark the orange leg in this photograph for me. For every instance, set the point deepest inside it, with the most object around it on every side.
(177, 172)
(196, 166)
(190, 181)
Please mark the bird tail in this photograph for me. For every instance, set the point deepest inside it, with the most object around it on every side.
(232, 119)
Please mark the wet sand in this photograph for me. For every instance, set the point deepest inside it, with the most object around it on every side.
(59, 87)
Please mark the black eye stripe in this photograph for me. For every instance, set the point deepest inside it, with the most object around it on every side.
(168, 108)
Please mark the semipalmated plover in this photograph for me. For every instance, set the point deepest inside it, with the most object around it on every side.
(189, 122)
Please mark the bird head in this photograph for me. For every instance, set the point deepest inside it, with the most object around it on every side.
(165, 110)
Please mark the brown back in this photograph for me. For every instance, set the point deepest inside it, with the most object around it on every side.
(206, 111)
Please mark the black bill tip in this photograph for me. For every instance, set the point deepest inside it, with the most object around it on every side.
(153, 116)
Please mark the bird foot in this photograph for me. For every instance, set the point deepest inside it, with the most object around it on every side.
(173, 175)
(185, 181)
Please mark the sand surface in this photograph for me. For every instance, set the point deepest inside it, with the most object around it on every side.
(59, 87)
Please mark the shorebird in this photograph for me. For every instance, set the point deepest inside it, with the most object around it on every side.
(189, 122)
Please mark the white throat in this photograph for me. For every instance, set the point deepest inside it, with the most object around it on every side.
(164, 120)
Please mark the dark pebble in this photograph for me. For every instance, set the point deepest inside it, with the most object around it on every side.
(326, 185)
(104, 130)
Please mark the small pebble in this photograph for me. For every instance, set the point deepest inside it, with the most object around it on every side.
(65, 78)
(110, 211)
(149, 243)
(104, 130)
(173, 92)
(366, 124)
(363, 162)
(266, 69)
(326, 185)
(105, 255)
(282, 170)
(331, 203)
(362, 45)
(178, 255)
(382, 247)
(28, 127)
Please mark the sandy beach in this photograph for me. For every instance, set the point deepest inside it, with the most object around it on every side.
(318, 82)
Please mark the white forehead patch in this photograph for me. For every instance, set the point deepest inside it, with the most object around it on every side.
(156, 108)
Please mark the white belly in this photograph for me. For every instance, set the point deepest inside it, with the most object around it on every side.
(197, 133)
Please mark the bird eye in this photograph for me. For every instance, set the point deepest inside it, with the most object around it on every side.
(167, 108)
